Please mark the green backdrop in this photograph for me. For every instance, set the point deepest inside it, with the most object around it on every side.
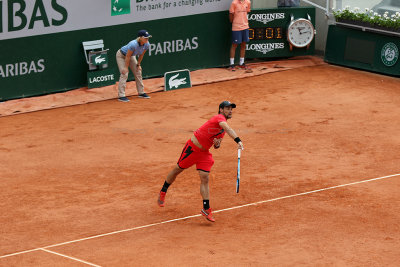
(203, 40)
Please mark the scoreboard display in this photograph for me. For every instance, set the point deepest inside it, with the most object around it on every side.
(268, 32)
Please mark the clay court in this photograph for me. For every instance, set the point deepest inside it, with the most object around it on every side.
(320, 177)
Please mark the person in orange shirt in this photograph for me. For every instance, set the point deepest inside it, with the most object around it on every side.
(240, 30)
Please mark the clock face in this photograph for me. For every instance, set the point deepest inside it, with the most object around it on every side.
(300, 32)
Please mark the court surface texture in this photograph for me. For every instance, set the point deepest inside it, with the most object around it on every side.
(320, 176)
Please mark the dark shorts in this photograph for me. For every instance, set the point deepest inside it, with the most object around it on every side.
(239, 37)
(191, 155)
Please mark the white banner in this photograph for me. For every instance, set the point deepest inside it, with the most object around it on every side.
(21, 18)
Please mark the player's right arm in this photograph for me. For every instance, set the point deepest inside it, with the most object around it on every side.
(224, 125)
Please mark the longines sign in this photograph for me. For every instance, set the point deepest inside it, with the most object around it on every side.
(265, 17)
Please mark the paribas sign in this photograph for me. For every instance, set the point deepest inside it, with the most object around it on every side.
(265, 48)
(265, 17)
(23, 14)
(21, 68)
(173, 46)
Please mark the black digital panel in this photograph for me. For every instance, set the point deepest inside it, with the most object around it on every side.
(266, 33)
(360, 50)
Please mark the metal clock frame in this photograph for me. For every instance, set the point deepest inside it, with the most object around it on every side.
(293, 21)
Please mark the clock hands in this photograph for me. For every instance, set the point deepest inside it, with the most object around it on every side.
(303, 32)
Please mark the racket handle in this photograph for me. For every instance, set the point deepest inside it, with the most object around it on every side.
(239, 153)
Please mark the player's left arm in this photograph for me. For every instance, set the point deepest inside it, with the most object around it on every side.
(224, 125)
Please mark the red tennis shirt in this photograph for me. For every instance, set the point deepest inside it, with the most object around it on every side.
(210, 130)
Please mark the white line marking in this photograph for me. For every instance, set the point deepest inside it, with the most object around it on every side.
(69, 257)
(18, 253)
(306, 193)
(121, 231)
(198, 215)
(101, 235)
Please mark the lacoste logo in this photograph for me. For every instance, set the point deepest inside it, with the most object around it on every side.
(176, 82)
(99, 59)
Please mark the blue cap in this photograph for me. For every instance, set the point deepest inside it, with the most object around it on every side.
(144, 33)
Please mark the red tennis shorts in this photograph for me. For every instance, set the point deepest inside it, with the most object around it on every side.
(191, 155)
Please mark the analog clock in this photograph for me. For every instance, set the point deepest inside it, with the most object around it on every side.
(300, 32)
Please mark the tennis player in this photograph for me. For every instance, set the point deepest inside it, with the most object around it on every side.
(196, 151)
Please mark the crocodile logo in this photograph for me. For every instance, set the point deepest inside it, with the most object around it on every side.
(176, 82)
(99, 59)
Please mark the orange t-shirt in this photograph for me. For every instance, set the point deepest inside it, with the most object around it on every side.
(239, 9)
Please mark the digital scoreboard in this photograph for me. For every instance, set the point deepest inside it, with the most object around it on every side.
(268, 32)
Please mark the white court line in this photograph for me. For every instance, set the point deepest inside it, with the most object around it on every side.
(198, 215)
(306, 193)
(69, 257)
(101, 235)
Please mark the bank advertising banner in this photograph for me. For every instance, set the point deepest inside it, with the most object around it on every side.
(21, 18)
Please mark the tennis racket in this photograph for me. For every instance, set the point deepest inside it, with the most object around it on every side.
(238, 172)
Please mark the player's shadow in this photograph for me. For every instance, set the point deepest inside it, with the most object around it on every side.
(205, 223)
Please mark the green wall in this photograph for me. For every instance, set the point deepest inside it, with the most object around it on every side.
(59, 63)
(362, 50)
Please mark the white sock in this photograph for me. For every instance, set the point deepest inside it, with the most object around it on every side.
(232, 60)
(241, 62)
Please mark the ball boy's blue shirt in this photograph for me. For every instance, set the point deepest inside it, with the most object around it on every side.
(135, 47)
